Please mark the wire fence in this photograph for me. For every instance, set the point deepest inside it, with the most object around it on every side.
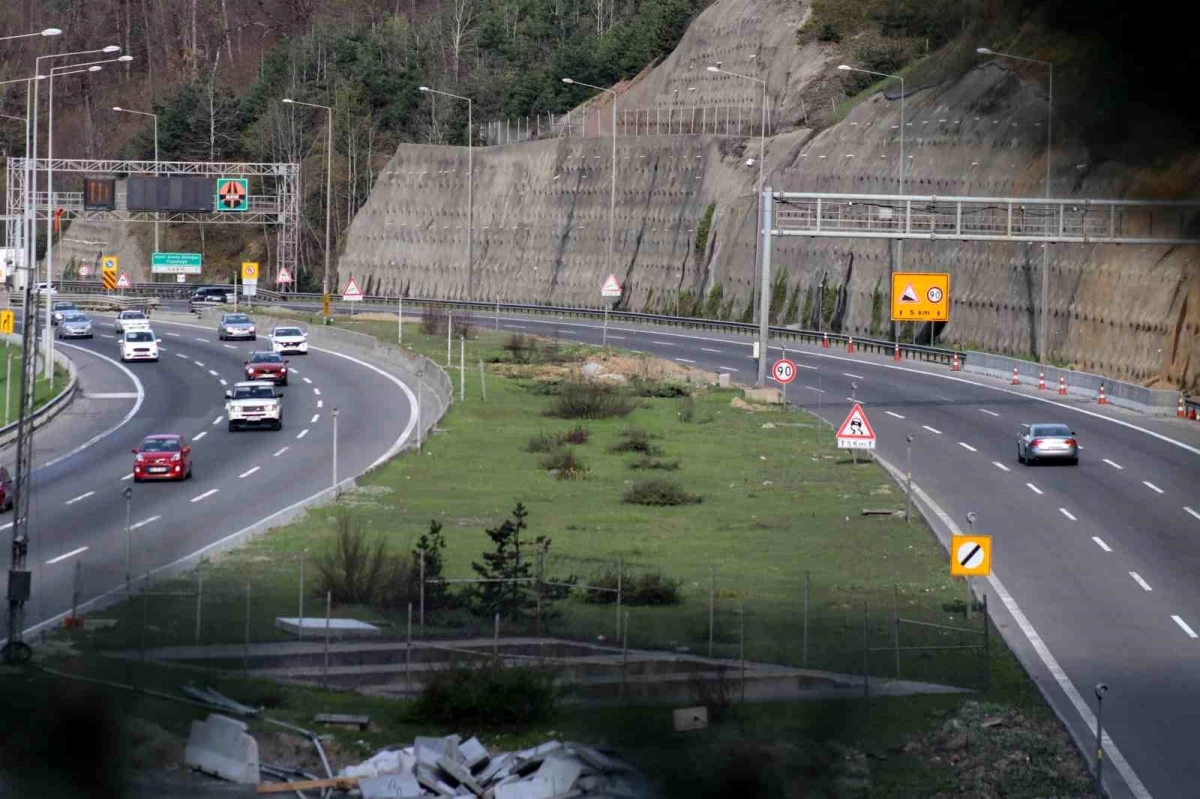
(591, 123)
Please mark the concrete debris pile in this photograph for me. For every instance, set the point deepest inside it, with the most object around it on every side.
(450, 766)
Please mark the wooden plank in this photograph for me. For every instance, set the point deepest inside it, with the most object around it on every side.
(339, 783)
(360, 721)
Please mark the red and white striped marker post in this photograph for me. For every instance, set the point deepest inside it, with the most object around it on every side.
(1016, 381)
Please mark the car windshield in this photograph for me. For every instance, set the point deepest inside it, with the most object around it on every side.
(64, 306)
(132, 315)
(253, 392)
(266, 357)
(1051, 430)
(237, 319)
(288, 331)
(139, 335)
(160, 445)
(74, 317)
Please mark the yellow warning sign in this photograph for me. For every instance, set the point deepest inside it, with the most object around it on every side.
(920, 297)
(6, 321)
(970, 555)
(249, 272)
(108, 272)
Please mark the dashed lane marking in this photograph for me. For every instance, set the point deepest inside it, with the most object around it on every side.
(1137, 578)
(1100, 543)
(248, 472)
(80, 497)
(205, 495)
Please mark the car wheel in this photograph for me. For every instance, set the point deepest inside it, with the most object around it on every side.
(1020, 457)
(1074, 461)
(232, 427)
(279, 425)
(283, 382)
(254, 338)
(188, 476)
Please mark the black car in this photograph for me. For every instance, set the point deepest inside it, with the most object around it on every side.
(208, 295)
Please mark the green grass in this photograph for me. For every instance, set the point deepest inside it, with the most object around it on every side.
(43, 391)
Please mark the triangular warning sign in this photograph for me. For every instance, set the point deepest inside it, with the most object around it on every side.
(909, 295)
(611, 287)
(284, 275)
(352, 291)
(123, 281)
(856, 426)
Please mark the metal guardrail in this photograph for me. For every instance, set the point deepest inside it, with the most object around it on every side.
(8, 433)
(94, 302)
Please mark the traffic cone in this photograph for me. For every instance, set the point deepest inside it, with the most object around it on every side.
(1016, 381)
(1192, 414)
(1062, 386)
(1102, 400)
(850, 344)
(955, 366)
(896, 352)
(825, 340)
(1180, 409)
(1041, 381)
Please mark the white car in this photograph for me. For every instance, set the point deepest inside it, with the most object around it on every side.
(289, 339)
(139, 345)
(254, 403)
(132, 320)
(46, 288)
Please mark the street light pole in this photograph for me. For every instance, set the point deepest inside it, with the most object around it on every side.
(155, 118)
(612, 196)
(335, 443)
(899, 267)
(328, 181)
(470, 184)
(1043, 333)
(128, 494)
(1101, 690)
(24, 224)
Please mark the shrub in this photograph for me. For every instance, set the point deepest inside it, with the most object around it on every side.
(646, 462)
(687, 409)
(569, 466)
(635, 439)
(488, 694)
(829, 33)
(434, 321)
(641, 588)
(587, 400)
(659, 492)
(521, 348)
(656, 389)
(353, 569)
(576, 435)
(716, 694)
(541, 443)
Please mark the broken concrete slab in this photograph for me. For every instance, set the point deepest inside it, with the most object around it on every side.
(691, 718)
(223, 747)
(338, 628)
(391, 786)
(388, 761)
(460, 773)
(494, 767)
(429, 749)
(560, 770)
(428, 777)
(474, 754)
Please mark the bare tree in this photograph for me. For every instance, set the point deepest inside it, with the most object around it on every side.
(458, 31)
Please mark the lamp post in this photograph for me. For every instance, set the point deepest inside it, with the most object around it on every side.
(762, 149)
(26, 207)
(470, 182)
(1101, 691)
(44, 32)
(899, 242)
(37, 71)
(155, 118)
(1049, 138)
(328, 181)
(612, 196)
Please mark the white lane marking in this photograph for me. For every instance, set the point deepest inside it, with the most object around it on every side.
(966, 446)
(1152, 487)
(933, 430)
(1194, 513)
(302, 433)
(806, 366)
(63, 557)
(248, 472)
(320, 403)
(306, 379)
(1068, 514)
(200, 435)
(213, 372)
(856, 377)
(112, 395)
(137, 404)
(1000, 466)
(618, 338)
(144, 522)
(520, 327)
(684, 360)
(80, 497)
(317, 391)
(205, 495)
(1100, 543)
(199, 363)
(1183, 625)
(664, 343)
(218, 420)
(224, 383)
(313, 420)
(180, 355)
(1034, 488)
(1031, 635)
(859, 401)
(727, 369)
(1113, 464)
(229, 346)
(280, 452)
(814, 388)
(176, 335)
(710, 349)
(989, 413)
(128, 476)
(1137, 578)
(202, 340)
(944, 399)
(898, 416)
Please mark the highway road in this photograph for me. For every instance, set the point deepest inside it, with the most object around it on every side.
(78, 512)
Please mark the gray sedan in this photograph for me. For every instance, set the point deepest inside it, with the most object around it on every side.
(1039, 442)
(236, 325)
(75, 325)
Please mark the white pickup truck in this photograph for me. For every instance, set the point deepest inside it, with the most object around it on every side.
(254, 403)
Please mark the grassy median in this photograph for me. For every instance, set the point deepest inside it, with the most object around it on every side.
(43, 392)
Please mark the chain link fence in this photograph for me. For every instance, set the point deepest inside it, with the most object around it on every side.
(592, 123)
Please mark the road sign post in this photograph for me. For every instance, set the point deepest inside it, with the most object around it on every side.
(250, 274)
(233, 194)
(921, 297)
(108, 272)
(610, 290)
(856, 432)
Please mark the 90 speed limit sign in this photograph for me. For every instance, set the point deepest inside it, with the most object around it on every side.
(784, 371)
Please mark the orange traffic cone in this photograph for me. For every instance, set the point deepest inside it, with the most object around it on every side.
(896, 352)
(1062, 386)
(1180, 409)
(1102, 400)
(955, 366)
(825, 340)
(850, 344)
(1041, 381)
(1016, 381)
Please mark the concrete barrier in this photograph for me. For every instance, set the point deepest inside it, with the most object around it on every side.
(223, 747)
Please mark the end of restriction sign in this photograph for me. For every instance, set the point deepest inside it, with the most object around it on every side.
(970, 555)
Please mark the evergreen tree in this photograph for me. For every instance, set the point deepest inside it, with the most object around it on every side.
(430, 547)
(509, 563)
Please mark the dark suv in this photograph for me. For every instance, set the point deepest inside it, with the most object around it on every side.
(208, 295)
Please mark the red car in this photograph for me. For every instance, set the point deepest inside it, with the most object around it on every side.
(164, 457)
(267, 366)
(6, 489)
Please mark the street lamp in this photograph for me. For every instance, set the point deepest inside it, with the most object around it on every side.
(46, 32)
(1049, 132)
(25, 223)
(612, 197)
(762, 148)
(899, 242)
(155, 117)
(470, 183)
(328, 180)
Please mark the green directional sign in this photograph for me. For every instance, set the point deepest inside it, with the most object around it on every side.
(175, 263)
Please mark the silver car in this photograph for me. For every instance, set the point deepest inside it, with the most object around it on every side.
(58, 309)
(236, 325)
(1045, 442)
(75, 325)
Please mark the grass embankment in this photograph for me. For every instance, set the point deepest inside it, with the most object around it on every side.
(43, 392)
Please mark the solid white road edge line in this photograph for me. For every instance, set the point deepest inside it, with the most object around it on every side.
(63, 557)
(206, 494)
(1100, 543)
(78, 498)
(137, 405)
(1137, 578)
(1184, 626)
(1039, 646)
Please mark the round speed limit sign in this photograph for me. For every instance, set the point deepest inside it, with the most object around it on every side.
(784, 371)
(934, 294)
